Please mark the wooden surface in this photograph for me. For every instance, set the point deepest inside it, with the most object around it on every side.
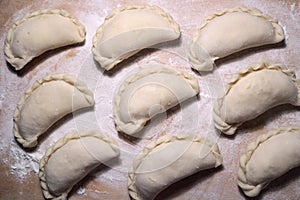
(107, 183)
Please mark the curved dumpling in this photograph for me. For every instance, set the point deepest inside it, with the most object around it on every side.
(252, 92)
(71, 158)
(168, 160)
(39, 32)
(244, 28)
(48, 100)
(151, 91)
(264, 161)
(128, 30)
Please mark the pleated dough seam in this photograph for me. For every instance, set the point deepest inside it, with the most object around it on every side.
(151, 146)
(253, 68)
(242, 178)
(155, 9)
(7, 48)
(60, 143)
(62, 77)
(135, 77)
(259, 67)
(115, 12)
(251, 11)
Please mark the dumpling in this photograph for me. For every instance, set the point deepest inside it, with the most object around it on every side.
(47, 101)
(252, 92)
(71, 158)
(230, 31)
(39, 32)
(151, 91)
(264, 161)
(130, 29)
(168, 160)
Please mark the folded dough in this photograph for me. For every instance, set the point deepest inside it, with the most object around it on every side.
(230, 31)
(264, 161)
(39, 32)
(252, 92)
(151, 91)
(130, 29)
(168, 160)
(71, 158)
(47, 101)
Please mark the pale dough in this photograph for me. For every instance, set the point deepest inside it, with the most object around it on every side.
(230, 31)
(71, 158)
(151, 91)
(47, 101)
(252, 92)
(168, 160)
(130, 29)
(270, 156)
(39, 32)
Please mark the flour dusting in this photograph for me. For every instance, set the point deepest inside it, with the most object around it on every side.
(104, 85)
(22, 162)
(80, 191)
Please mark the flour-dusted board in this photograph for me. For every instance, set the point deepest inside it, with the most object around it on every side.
(18, 168)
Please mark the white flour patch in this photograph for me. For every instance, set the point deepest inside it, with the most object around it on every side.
(1, 99)
(80, 191)
(22, 163)
(285, 33)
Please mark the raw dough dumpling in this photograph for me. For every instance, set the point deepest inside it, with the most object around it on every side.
(47, 101)
(230, 31)
(39, 32)
(168, 160)
(151, 91)
(270, 156)
(130, 29)
(71, 158)
(252, 92)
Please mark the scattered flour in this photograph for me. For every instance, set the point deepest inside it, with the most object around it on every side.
(80, 191)
(285, 32)
(1, 100)
(22, 162)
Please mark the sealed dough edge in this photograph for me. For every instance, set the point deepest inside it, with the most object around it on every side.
(209, 63)
(132, 190)
(120, 125)
(254, 190)
(109, 63)
(229, 129)
(60, 143)
(19, 63)
(62, 77)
